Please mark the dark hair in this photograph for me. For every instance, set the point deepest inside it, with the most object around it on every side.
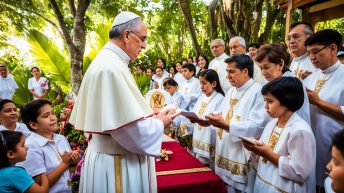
(162, 60)
(8, 142)
(254, 45)
(190, 67)
(308, 27)
(274, 52)
(325, 37)
(206, 60)
(30, 111)
(288, 91)
(35, 67)
(211, 75)
(242, 61)
(170, 82)
(174, 68)
(338, 141)
(3, 102)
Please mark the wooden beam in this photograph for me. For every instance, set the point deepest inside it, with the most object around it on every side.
(288, 19)
(325, 5)
(296, 3)
(327, 14)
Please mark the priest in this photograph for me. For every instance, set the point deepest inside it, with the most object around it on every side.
(110, 107)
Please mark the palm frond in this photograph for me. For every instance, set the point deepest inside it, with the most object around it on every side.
(50, 59)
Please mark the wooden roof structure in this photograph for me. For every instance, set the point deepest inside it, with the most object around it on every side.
(313, 11)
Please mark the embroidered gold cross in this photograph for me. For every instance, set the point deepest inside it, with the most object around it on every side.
(318, 85)
(229, 115)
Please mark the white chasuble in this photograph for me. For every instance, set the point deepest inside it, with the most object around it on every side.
(302, 63)
(328, 84)
(218, 64)
(244, 109)
(203, 140)
(295, 143)
(110, 106)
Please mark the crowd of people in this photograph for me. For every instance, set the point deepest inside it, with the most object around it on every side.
(266, 124)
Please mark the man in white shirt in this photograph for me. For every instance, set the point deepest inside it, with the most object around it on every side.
(325, 92)
(237, 45)
(218, 63)
(301, 64)
(110, 106)
(7, 84)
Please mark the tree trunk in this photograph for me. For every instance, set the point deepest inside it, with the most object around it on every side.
(270, 20)
(187, 15)
(257, 20)
(212, 19)
(75, 45)
(227, 21)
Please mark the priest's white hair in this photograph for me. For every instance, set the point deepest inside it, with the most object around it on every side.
(219, 39)
(240, 39)
(116, 31)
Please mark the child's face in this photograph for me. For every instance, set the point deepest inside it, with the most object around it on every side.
(170, 89)
(46, 121)
(179, 67)
(187, 73)
(21, 151)
(9, 114)
(201, 62)
(158, 72)
(336, 170)
(207, 87)
(273, 106)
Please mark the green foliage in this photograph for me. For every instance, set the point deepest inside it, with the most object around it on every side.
(337, 24)
(50, 59)
(142, 81)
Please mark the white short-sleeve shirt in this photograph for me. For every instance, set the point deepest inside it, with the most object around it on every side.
(7, 87)
(44, 156)
(38, 86)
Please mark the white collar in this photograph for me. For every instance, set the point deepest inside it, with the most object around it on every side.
(300, 58)
(124, 56)
(246, 85)
(332, 68)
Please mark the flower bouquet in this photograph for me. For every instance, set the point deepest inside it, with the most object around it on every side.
(164, 154)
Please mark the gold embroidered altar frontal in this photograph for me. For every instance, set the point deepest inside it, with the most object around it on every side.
(231, 166)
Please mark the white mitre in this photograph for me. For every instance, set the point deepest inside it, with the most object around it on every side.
(124, 17)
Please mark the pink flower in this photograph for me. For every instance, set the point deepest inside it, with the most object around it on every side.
(44, 83)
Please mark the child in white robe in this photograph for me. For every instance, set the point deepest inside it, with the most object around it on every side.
(203, 140)
(190, 91)
(286, 150)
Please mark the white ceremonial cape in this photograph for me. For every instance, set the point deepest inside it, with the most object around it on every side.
(302, 63)
(296, 165)
(324, 126)
(203, 140)
(108, 97)
(218, 64)
(111, 107)
(248, 120)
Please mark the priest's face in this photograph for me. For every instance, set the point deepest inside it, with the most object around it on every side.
(236, 77)
(322, 56)
(136, 41)
(336, 169)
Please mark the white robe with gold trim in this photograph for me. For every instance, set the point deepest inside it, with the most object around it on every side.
(248, 120)
(203, 140)
(218, 64)
(325, 126)
(111, 106)
(296, 165)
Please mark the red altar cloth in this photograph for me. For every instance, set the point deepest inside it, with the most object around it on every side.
(202, 182)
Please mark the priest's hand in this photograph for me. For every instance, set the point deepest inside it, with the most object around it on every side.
(217, 121)
(313, 96)
(304, 74)
(165, 118)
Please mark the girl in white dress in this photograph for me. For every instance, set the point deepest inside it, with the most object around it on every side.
(204, 137)
(286, 152)
(159, 78)
(38, 85)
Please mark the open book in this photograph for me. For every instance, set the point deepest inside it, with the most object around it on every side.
(250, 140)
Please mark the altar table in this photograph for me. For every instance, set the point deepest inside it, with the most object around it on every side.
(183, 173)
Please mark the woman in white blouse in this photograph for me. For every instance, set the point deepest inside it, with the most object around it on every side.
(38, 85)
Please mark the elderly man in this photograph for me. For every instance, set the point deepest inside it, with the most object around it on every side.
(7, 84)
(111, 108)
(237, 45)
(301, 64)
(325, 93)
(218, 64)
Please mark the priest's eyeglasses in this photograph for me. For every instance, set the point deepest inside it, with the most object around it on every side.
(142, 38)
(315, 51)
